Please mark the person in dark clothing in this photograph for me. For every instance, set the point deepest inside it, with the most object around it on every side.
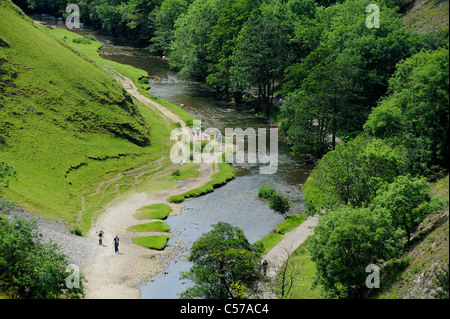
(116, 244)
(264, 266)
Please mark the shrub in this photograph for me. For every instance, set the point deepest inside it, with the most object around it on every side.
(265, 191)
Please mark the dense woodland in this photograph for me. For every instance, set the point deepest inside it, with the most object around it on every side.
(369, 105)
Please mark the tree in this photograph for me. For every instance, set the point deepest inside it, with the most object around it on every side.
(262, 52)
(224, 264)
(234, 14)
(279, 204)
(336, 85)
(329, 96)
(405, 201)
(192, 34)
(30, 269)
(165, 18)
(353, 173)
(415, 113)
(344, 243)
(287, 276)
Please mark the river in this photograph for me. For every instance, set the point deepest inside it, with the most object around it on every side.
(237, 202)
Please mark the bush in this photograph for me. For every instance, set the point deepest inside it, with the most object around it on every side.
(77, 231)
(265, 191)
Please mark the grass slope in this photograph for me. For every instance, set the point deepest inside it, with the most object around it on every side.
(65, 124)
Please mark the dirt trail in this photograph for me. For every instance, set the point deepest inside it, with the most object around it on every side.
(116, 276)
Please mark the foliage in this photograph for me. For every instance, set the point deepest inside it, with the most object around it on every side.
(30, 269)
(262, 52)
(331, 92)
(234, 14)
(165, 17)
(280, 204)
(405, 201)
(221, 259)
(352, 173)
(415, 114)
(266, 191)
(192, 34)
(345, 242)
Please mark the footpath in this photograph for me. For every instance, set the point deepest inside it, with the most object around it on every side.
(278, 255)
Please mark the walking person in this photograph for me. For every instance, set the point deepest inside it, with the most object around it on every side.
(264, 266)
(100, 236)
(116, 244)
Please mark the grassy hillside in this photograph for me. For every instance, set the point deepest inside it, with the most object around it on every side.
(65, 125)
(426, 16)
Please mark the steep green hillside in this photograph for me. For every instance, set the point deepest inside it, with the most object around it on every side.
(65, 125)
(427, 15)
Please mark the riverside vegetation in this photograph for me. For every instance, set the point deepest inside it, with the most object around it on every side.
(368, 105)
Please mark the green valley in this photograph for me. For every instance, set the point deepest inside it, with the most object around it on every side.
(66, 125)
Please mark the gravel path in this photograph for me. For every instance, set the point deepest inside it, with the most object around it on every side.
(277, 256)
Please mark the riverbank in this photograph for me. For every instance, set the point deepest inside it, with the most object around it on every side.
(112, 275)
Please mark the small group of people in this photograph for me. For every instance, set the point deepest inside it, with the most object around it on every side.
(100, 234)
(196, 131)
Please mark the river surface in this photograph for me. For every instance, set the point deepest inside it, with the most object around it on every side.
(237, 202)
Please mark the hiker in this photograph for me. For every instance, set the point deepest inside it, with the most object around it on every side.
(264, 266)
(116, 244)
(280, 102)
(198, 131)
(220, 138)
(100, 236)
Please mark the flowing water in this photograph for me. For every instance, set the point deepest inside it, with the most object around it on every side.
(236, 202)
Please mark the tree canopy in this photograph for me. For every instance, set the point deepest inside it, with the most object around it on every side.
(223, 260)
